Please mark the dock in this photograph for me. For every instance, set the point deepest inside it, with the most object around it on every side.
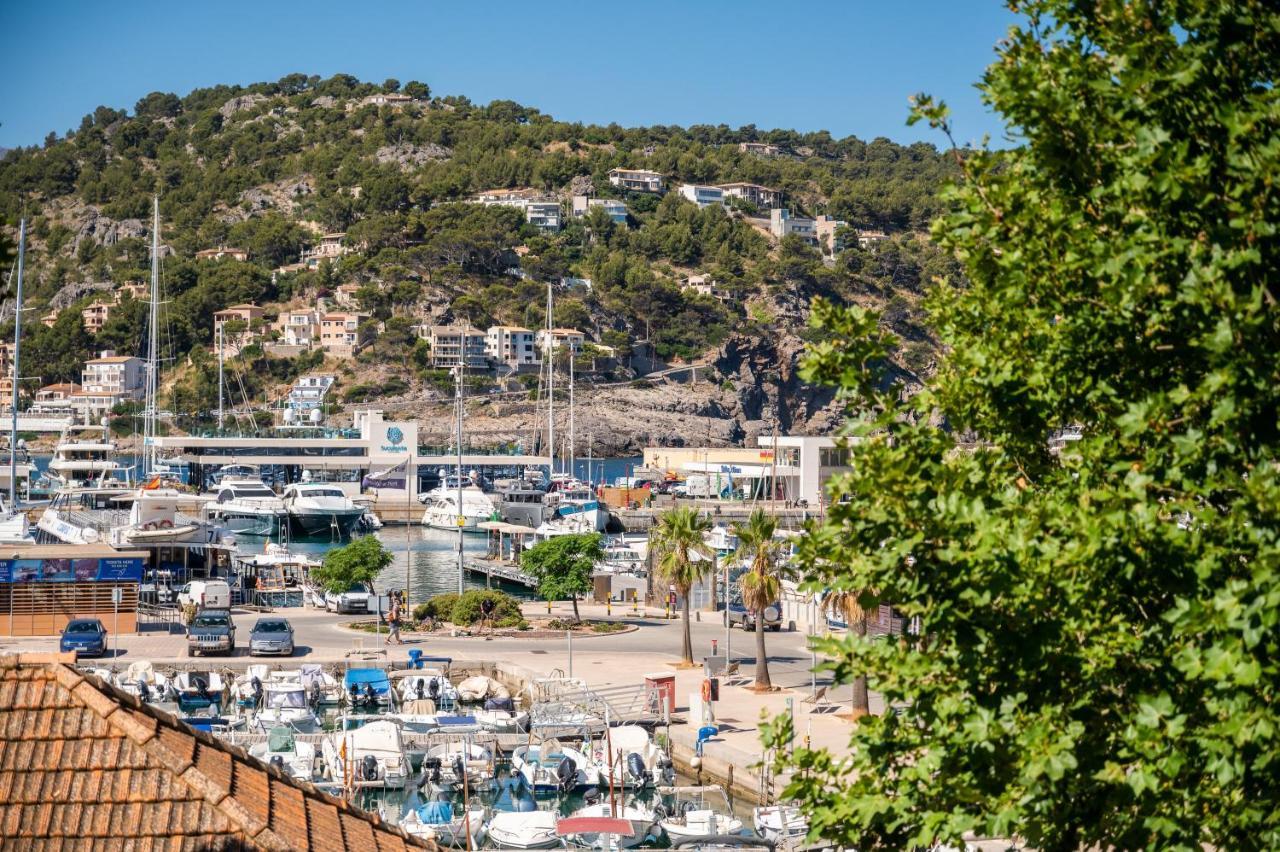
(491, 570)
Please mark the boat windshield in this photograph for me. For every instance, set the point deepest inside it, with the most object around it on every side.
(321, 492)
(251, 491)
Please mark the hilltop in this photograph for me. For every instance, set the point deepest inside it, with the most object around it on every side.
(431, 207)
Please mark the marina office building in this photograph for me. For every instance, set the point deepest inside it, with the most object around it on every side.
(374, 445)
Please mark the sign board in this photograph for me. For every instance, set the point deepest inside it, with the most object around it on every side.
(83, 570)
(117, 595)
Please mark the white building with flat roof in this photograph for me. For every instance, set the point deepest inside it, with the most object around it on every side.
(782, 224)
(637, 180)
(511, 345)
(616, 210)
(703, 196)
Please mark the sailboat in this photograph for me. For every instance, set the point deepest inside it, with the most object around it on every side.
(13, 524)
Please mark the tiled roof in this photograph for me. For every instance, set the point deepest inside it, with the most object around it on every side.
(82, 763)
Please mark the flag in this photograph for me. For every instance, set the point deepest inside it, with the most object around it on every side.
(152, 485)
(392, 477)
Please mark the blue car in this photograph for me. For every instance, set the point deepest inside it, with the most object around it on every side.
(85, 636)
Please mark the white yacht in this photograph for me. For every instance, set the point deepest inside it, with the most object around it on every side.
(86, 462)
(247, 506)
(372, 755)
(320, 509)
(14, 527)
(577, 510)
(83, 515)
(696, 812)
(442, 509)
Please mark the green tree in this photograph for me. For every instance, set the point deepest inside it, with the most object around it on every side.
(358, 562)
(1097, 656)
(563, 566)
(762, 582)
(848, 605)
(683, 558)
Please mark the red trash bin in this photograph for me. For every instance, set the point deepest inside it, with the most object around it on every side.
(665, 684)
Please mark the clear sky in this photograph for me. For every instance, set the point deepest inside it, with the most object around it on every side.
(846, 66)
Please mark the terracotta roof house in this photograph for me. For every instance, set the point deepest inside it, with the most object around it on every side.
(84, 764)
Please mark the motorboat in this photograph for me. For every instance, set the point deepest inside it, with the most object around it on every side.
(230, 472)
(154, 518)
(15, 529)
(578, 509)
(696, 812)
(80, 463)
(552, 766)
(500, 716)
(367, 689)
(443, 514)
(247, 507)
(83, 515)
(517, 823)
(142, 681)
(632, 758)
(780, 823)
(430, 685)
(371, 755)
(248, 690)
(322, 687)
(523, 503)
(623, 556)
(198, 690)
(320, 509)
(445, 763)
(447, 825)
(282, 749)
(595, 825)
(285, 703)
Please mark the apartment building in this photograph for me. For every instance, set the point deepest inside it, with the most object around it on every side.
(510, 345)
(637, 180)
(828, 230)
(238, 326)
(544, 215)
(299, 328)
(782, 224)
(340, 333)
(616, 210)
(452, 345)
(95, 316)
(119, 376)
(703, 196)
(308, 392)
(560, 337)
(761, 197)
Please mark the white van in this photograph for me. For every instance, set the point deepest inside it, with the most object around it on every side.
(206, 594)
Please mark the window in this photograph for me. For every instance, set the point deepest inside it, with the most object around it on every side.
(833, 457)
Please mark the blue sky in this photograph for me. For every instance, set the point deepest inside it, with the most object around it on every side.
(846, 66)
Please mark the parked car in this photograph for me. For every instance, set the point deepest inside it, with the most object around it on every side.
(85, 636)
(271, 636)
(354, 599)
(211, 630)
(739, 614)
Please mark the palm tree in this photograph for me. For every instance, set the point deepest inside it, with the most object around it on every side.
(762, 583)
(677, 540)
(848, 604)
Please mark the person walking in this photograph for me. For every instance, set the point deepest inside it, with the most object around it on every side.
(393, 621)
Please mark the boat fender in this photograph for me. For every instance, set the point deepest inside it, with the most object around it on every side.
(166, 524)
(635, 765)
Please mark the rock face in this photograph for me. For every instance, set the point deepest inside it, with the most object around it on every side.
(282, 196)
(71, 292)
(580, 185)
(240, 103)
(406, 156)
(92, 225)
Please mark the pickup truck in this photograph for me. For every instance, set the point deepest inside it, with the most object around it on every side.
(211, 630)
(739, 614)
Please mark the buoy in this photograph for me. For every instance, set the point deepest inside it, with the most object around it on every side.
(696, 761)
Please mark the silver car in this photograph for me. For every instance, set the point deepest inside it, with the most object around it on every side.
(271, 636)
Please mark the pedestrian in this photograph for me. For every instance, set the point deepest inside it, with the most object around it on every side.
(393, 623)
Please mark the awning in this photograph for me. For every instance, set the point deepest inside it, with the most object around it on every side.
(504, 527)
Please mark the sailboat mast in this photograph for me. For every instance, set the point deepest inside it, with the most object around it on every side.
(220, 410)
(551, 392)
(572, 445)
(461, 519)
(153, 364)
(17, 343)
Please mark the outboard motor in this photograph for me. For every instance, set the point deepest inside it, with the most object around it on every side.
(370, 767)
(591, 795)
(459, 768)
(499, 704)
(420, 690)
(257, 691)
(432, 765)
(567, 774)
(353, 692)
(635, 765)
(144, 691)
(316, 695)
(370, 697)
(278, 762)
(433, 688)
(201, 686)
(668, 773)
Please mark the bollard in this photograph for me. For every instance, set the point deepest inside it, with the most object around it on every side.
(608, 606)
(548, 607)
(633, 604)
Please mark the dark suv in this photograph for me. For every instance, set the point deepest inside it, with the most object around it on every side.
(211, 630)
(739, 614)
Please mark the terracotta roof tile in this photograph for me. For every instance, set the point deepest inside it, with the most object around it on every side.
(288, 817)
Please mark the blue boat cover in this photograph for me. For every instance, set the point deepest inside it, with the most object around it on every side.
(436, 813)
(376, 677)
(445, 721)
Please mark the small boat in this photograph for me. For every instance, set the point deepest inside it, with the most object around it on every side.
(367, 688)
(517, 823)
(282, 749)
(432, 685)
(780, 823)
(635, 759)
(154, 518)
(143, 682)
(371, 755)
(320, 509)
(551, 766)
(285, 703)
(440, 821)
(323, 688)
(248, 507)
(603, 825)
(198, 690)
(501, 717)
(442, 509)
(696, 812)
(445, 763)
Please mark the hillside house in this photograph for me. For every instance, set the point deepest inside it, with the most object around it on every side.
(452, 345)
(340, 333)
(828, 230)
(107, 381)
(637, 180)
(237, 326)
(221, 252)
(703, 196)
(345, 295)
(560, 337)
(299, 327)
(782, 224)
(707, 286)
(308, 393)
(544, 215)
(510, 345)
(50, 319)
(761, 197)
(95, 316)
(391, 99)
(760, 149)
(870, 240)
(616, 210)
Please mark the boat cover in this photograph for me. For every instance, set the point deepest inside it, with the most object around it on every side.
(280, 739)
(435, 813)
(377, 678)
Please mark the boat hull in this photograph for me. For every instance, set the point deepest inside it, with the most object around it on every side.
(323, 524)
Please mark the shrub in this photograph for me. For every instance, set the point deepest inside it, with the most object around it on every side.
(467, 610)
(439, 607)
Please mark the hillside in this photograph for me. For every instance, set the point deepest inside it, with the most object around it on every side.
(272, 167)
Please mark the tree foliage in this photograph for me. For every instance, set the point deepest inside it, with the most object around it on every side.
(563, 565)
(683, 557)
(1100, 626)
(361, 561)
